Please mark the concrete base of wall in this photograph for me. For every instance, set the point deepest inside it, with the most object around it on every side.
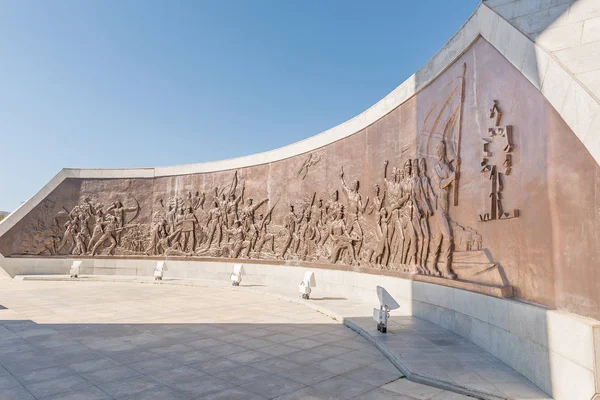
(556, 350)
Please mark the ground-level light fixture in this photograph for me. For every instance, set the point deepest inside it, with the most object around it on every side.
(386, 304)
(159, 271)
(236, 276)
(74, 270)
(307, 283)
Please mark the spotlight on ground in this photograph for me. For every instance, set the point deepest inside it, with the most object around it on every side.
(74, 271)
(236, 277)
(159, 270)
(386, 304)
(308, 283)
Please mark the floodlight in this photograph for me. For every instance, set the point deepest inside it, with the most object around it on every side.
(386, 299)
(307, 283)
(74, 271)
(159, 270)
(386, 304)
(236, 277)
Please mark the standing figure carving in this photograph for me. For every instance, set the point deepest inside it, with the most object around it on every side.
(290, 225)
(332, 208)
(264, 237)
(198, 201)
(189, 201)
(188, 228)
(379, 253)
(229, 205)
(177, 234)
(355, 204)
(69, 235)
(300, 228)
(442, 240)
(356, 209)
(79, 244)
(311, 235)
(171, 214)
(413, 237)
(394, 195)
(98, 229)
(84, 216)
(214, 226)
(428, 200)
(422, 211)
(232, 208)
(409, 242)
(378, 200)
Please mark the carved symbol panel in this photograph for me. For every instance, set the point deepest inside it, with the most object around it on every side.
(501, 137)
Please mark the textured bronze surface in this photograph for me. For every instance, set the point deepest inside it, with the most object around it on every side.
(384, 200)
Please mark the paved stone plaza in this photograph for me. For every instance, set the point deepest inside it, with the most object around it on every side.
(110, 340)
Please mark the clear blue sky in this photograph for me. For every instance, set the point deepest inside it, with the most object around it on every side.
(107, 84)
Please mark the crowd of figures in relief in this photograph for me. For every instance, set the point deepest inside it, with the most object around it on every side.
(404, 225)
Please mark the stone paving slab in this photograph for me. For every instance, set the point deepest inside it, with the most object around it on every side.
(119, 340)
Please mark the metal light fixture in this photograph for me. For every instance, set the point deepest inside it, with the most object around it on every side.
(74, 270)
(236, 276)
(159, 270)
(306, 285)
(386, 304)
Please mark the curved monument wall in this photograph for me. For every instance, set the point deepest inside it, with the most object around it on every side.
(520, 223)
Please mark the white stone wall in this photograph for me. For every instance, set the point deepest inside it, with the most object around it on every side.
(568, 32)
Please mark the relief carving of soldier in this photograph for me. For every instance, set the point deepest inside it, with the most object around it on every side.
(330, 214)
(232, 208)
(98, 229)
(80, 248)
(188, 227)
(442, 240)
(311, 234)
(118, 210)
(355, 203)
(420, 213)
(69, 235)
(410, 216)
(291, 222)
(171, 214)
(379, 252)
(247, 213)
(198, 201)
(214, 226)
(356, 209)
(264, 237)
